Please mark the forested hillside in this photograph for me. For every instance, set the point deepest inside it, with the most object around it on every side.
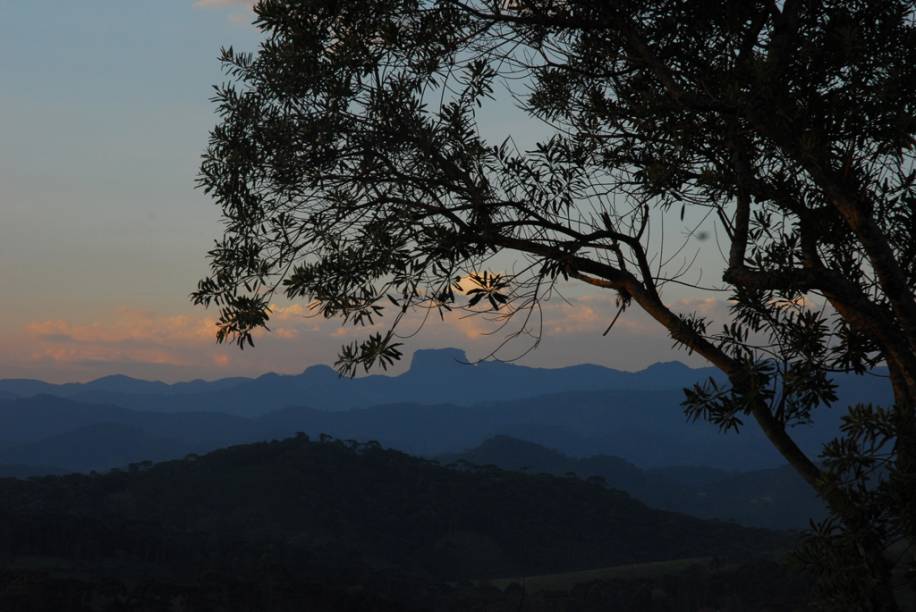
(775, 498)
(354, 512)
(365, 507)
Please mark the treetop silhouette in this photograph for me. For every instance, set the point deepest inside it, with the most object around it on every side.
(351, 173)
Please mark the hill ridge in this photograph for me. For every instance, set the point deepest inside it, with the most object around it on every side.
(378, 507)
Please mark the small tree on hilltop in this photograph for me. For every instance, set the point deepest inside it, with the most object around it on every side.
(351, 173)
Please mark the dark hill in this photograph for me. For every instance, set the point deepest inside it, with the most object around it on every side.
(511, 453)
(775, 498)
(353, 509)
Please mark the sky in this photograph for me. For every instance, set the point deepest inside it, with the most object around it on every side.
(105, 113)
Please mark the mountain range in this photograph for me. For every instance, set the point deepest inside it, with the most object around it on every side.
(625, 427)
(440, 405)
(273, 488)
(435, 377)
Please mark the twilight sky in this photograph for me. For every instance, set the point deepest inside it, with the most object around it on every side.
(105, 112)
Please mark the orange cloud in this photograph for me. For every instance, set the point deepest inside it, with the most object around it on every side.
(713, 308)
(183, 346)
(130, 336)
(290, 312)
(70, 354)
(591, 314)
(128, 339)
(285, 332)
(127, 326)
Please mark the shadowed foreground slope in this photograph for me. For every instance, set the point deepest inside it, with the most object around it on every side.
(362, 507)
(775, 498)
(351, 514)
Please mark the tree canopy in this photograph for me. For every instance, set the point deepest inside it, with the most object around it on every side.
(351, 173)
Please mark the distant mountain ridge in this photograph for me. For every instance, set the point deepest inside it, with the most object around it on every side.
(647, 428)
(435, 376)
(440, 405)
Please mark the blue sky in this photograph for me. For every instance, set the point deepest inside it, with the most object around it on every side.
(105, 107)
(105, 115)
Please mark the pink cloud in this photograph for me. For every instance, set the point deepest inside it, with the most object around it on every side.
(591, 314)
(129, 336)
(713, 308)
(126, 326)
(222, 360)
(169, 346)
(182, 346)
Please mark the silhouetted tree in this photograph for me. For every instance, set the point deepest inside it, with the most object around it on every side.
(351, 172)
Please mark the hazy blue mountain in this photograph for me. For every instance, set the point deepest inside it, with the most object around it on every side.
(440, 405)
(645, 427)
(118, 383)
(775, 498)
(27, 387)
(115, 384)
(435, 376)
(26, 422)
(98, 446)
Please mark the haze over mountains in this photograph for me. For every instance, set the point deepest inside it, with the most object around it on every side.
(435, 377)
(440, 406)
(518, 471)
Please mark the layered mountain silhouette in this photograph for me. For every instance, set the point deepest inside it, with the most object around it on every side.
(776, 498)
(515, 471)
(632, 422)
(646, 428)
(435, 376)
